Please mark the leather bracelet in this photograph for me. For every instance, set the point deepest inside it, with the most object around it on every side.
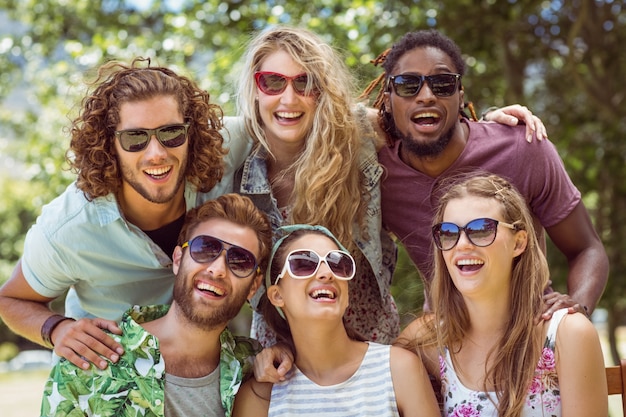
(48, 326)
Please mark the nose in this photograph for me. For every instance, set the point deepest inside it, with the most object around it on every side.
(425, 94)
(324, 272)
(218, 266)
(463, 239)
(289, 95)
(155, 149)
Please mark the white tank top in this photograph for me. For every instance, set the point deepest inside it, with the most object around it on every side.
(368, 392)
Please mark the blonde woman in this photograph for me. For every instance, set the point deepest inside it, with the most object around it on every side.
(314, 161)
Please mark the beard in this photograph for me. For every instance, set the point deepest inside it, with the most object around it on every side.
(130, 175)
(201, 313)
(421, 150)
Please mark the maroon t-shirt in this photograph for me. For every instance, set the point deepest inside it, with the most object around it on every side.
(409, 197)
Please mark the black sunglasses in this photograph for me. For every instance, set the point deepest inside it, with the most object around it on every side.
(273, 83)
(480, 232)
(204, 249)
(409, 85)
(170, 136)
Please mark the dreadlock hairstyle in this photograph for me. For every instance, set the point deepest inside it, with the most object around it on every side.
(329, 188)
(92, 153)
(516, 354)
(389, 59)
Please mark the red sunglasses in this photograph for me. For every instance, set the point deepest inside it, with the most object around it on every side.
(273, 83)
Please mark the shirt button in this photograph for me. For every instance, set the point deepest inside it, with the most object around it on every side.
(151, 342)
(158, 402)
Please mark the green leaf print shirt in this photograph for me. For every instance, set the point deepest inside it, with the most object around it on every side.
(135, 386)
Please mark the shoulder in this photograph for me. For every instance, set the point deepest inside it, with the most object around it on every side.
(574, 327)
(72, 208)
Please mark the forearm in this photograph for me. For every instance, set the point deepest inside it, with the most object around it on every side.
(587, 277)
(24, 317)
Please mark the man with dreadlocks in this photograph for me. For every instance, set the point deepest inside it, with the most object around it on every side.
(431, 142)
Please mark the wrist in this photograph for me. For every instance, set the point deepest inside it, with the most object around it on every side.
(48, 327)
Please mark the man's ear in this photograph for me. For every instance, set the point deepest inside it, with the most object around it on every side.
(521, 242)
(274, 295)
(462, 99)
(387, 102)
(177, 257)
(256, 283)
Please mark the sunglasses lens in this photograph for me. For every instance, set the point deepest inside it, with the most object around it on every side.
(303, 263)
(442, 85)
(271, 84)
(299, 84)
(341, 264)
(446, 235)
(172, 136)
(240, 261)
(407, 85)
(134, 140)
(481, 232)
(205, 249)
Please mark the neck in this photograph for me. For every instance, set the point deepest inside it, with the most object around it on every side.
(188, 350)
(327, 356)
(435, 165)
(148, 215)
(488, 316)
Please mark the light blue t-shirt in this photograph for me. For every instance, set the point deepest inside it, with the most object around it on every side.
(107, 263)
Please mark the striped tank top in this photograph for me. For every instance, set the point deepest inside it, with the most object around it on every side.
(368, 392)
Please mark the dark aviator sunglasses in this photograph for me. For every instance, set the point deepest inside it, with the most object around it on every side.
(204, 249)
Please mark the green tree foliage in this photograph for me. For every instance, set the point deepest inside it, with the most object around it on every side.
(563, 59)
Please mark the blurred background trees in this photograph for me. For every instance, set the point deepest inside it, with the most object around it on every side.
(563, 59)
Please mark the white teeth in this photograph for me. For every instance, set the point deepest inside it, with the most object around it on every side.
(422, 115)
(289, 115)
(157, 171)
(323, 293)
(469, 262)
(203, 286)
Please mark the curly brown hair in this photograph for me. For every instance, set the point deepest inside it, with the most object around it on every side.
(92, 154)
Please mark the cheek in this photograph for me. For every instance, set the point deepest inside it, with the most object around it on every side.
(266, 104)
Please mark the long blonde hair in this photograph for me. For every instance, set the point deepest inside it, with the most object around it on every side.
(516, 354)
(329, 188)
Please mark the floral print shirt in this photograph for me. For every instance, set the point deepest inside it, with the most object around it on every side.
(543, 398)
(135, 386)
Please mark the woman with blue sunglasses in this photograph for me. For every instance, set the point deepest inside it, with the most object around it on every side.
(483, 342)
(336, 372)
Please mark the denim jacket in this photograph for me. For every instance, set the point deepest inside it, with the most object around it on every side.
(252, 180)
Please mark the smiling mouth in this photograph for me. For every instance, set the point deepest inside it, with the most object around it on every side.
(323, 293)
(288, 116)
(208, 288)
(425, 118)
(468, 265)
(158, 173)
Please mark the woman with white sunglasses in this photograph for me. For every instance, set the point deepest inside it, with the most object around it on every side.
(484, 342)
(336, 372)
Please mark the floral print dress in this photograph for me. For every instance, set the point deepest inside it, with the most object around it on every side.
(543, 398)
